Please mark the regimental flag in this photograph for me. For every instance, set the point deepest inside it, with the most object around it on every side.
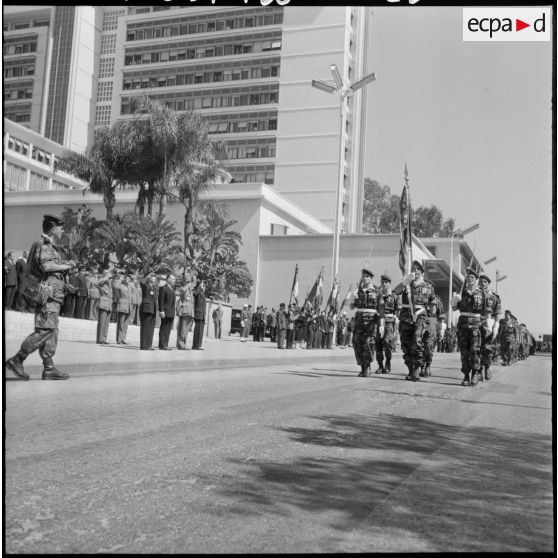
(347, 298)
(405, 228)
(333, 300)
(294, 289)
(316, 294)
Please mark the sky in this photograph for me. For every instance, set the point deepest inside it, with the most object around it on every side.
(473, 121)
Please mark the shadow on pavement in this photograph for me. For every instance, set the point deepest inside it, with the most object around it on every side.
(479, 489)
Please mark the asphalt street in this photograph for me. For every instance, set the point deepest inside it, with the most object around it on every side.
(287, 457)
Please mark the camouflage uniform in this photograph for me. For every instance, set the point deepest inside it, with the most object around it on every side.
(384, 344)
(412, 327)
(469, 324)
(45, 336)
(366, 326)
(433, 311)
(490, 313)
(506, 335)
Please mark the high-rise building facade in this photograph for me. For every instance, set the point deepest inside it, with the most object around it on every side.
(247, 70)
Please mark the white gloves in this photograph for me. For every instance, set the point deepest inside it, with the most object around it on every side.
(495, 329)
(381, 329)
(455, 299)
(407, 280)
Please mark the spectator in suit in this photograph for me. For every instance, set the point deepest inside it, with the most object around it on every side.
(185, 313)
(289, 334)
(94, 297)
(10, 280)
(166, 312)
(199, 315)
(82, 294)
(147, 311)
(123, 309)
(217, 316)
(272, 323)
(69, 308)
(21, 271)
(245, 321)
(104, 309)
(136, 299)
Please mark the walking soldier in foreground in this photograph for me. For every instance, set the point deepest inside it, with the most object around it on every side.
(433, 312)
(369, 321)
(471, 306)
(490, 324)
(45, 289)
(384, 342)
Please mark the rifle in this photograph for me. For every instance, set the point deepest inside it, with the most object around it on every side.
(470, 264)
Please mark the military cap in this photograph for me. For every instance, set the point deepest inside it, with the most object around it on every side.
(367, 271)
(508, 312)
(385, 277)
(429, 282)
(471, 271)
(416, 263)
(282, 305)
(485, 276)
(53, 219)
(245, 305)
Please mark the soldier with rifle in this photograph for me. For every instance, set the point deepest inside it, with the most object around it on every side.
(384, 343)
(45, 288)
(490, 324)
(434, 311)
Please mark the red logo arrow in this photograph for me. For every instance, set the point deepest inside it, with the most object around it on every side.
(519, 25)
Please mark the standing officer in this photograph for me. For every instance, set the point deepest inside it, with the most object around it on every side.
(167, 306)
(470, 305)
(412, 324)
(123, 309)
(217, 316)
(82, 294)
(104, 309)
(147, 311)
(433, 312)
(45, 264)
(506, 338)
(185, 313)
(94, 297)
(199, 315)
(369, 321)
(490, 324)
(384, 343)
(281, 320)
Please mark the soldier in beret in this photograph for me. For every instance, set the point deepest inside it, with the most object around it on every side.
(490, 324)
(384, 343)
(471, 306)
(369, 321)
(434, 312)
(45, 265)
(416, 295)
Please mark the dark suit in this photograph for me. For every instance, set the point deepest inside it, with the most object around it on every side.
(10, 283)
(21, 271)
(166, 305)
(147, 312)
(199, 319)
(82, 295)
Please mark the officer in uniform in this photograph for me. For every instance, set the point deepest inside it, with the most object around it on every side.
(434, 311)
(490, 324)
(384, 343)
(506, 338)
(416, 295)
(104, 309)
(45, 264)
(369, 321)
(471, 306)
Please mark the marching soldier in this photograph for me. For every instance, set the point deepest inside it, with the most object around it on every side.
(369, 321)
(45, 266)
(412, 318)
(471, 305)
(384, 343)
(434, 311)
(506, 338)
(490, 324)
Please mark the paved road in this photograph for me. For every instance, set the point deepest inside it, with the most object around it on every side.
(285, 458)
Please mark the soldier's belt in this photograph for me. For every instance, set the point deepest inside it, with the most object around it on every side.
(470, 314)
(409, 306)
(367, 311)
(389, 315)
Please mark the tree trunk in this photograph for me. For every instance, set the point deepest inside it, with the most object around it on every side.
(188, 248)
(140, 203)
(109, 199)
(163, 204)
(150, 194)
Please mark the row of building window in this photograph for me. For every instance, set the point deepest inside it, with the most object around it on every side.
(19, 71)
(206, 51)
(265, 174)
(22, 46)
(202, 77)
(252, 152)
(104, 91)
(26, 25)
(110, 19)
(40, 155)
(106, 67)
(14, 94)
(243, 126)
(204, 24)
(102, 115)
(189, 102)
(21, 117)
(108, 44)
(15, 180)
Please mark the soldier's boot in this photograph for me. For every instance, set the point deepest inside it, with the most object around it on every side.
(387, 368)
(408, 376)
(15, 365)
(365, 370)
(427, 372)
(475, 378)
(415, 377)
(466, 381)
(481, 378)
(50, 372)
(487, 374)
(422, 372)
(380, 369)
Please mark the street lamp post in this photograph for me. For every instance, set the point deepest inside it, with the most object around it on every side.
(490, 260)
(461, 234)
(344, 90)
(498, 279)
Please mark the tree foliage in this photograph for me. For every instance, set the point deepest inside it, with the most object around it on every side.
(381, 214)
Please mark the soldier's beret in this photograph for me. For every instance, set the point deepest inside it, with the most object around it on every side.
(416, 263)
(367, 271)
(471, 271)
(485, 276)
(53, 219)
(508, 312)
(385, 277)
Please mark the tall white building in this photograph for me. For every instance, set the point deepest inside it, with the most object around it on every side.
(248, 70)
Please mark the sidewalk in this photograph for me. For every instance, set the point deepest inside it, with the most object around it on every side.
(79, 357)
